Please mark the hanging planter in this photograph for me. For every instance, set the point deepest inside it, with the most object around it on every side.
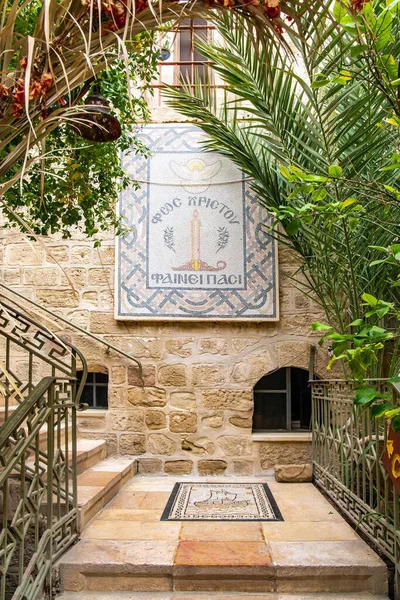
(97, 124)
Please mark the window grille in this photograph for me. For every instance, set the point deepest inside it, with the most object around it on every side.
(282, 401)
(95, 391)
(180, 60)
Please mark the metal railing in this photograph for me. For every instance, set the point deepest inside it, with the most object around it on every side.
(38, 479)
(347, 456)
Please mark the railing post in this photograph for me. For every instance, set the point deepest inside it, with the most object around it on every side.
(49, 483)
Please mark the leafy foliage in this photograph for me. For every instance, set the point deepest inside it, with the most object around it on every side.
(318, 134)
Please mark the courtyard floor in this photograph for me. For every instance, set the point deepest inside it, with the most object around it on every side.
(313, 539)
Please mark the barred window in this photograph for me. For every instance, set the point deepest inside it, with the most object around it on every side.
(282, 401)
(95, 391)
(179, 58)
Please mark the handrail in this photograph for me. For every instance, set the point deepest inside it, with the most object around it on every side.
(73, 350)
(21, 413)
(78, 328)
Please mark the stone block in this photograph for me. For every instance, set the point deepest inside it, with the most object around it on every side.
(106, 299)
(90, 298)
(200, 446)
(240, 344)
(241, 421)
(104, 322)
(298, 473)
(253, 368)
(301, 302)
(132, 444)
(212, 467)
(99, 276)
(177, 347)
(76, 275)
(294, 353)
(105, 255)
(213, 346)
(117, 397)
(283, 453)
(81, 255)
(161, 444)
(148, 374)
(173, 375)
(11, 276)
(243, 467)
(56, 298)
(185, 400)
(208, 374)
(57, 254)
(118, 374)
(155, 419)
(214, 420)
(127, 420)
(41, 276)
(178, 467)
(23, 254)
(151, 396)
(183, 422)
(149, 466)
(91, 423)
(233, 445)
(79, 317)
(228, 399)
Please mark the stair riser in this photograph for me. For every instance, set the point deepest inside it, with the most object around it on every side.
(86, 462)
(338, 581)
(87, 513)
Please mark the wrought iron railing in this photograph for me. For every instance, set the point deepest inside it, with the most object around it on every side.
(347, 455)
(38, 479)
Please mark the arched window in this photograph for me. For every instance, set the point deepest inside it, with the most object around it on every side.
(282, 401)
(95, 391)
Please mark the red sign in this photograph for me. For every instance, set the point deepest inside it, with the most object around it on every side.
(391, 457)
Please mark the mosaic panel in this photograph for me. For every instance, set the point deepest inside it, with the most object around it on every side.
(198, 246)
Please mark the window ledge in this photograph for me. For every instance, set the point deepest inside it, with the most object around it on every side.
(91, 412)
(282, 436)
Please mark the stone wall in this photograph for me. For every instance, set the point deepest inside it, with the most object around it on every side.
(194, 413)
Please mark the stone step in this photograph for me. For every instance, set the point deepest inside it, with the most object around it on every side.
(206, 595)
(98, 484)
(89, 453)
(155, 566)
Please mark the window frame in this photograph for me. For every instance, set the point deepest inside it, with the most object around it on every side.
(288, 398)
(93, 385)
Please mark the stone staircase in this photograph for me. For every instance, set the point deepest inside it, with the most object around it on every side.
(127, 553)
(99, 478)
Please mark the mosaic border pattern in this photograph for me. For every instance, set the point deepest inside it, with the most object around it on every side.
(135, 300)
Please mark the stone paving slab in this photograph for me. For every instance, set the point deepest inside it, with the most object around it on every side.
(126, 547)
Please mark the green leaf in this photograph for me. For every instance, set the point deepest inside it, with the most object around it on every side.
(319, 194)
(316, 326)
(293, 227)
(369, 299)
(378, 410)
(335, 171)
(356, 323)
(353, 223)
(347, 203)
(365, 395)
(320, 82)
(396, 424)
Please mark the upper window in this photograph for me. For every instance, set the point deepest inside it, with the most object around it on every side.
(282, 401)
(95, 391)
(179, 58)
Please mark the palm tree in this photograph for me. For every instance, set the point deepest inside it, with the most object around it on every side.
(313, 141)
